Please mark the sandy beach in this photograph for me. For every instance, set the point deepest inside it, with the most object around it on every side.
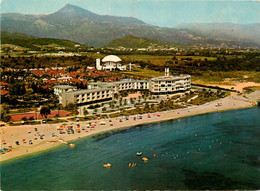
(11, 134)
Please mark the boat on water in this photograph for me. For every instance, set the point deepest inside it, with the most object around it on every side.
(145, 159)
(72, 145)
(138, 153)
(106, 165)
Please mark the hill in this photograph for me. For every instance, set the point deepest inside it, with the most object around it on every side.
(83, 26)
(247, 33)
(134, 42)
(35, 43)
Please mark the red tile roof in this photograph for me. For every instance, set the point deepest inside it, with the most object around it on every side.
(4, 84)
(75, 80)
(4, 92)
(73, 74)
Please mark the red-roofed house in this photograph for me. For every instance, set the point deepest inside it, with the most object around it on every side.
(4, 92)
(73, 74)
(4, 84)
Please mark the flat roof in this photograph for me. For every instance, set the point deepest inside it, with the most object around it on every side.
(175, 77)
(64, 86)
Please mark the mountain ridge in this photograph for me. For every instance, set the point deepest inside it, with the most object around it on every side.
(77, 24)
(34, 43)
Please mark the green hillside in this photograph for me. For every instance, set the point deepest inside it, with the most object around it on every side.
(134, 42)
(34, 43)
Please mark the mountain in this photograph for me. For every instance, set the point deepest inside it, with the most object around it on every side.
(248, 33)
(34, 43)
(80, 25)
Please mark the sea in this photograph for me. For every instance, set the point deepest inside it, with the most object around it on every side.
(213, 151)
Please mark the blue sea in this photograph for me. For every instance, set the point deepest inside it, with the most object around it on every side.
(212, 151)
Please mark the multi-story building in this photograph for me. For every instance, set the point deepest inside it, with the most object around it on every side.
(60, 89)
(103, 91)
(83, 97)
(169, 84)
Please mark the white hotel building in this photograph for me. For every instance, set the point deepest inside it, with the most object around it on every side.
(104, 91)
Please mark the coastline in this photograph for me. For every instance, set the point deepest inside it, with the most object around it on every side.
(11, 134)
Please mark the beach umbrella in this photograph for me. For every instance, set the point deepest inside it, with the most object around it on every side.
(24, 140)
(3, 141)
(93, 125)
(29, 131)
(42, 134)
(9, 144)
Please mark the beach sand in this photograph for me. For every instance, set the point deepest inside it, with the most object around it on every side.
(16, 133)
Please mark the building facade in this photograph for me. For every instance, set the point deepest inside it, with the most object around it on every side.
(110, 63)
(60, 89)
(103, 91)
(83, 97)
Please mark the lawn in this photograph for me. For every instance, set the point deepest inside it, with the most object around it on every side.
(145, 73)
(226, 78)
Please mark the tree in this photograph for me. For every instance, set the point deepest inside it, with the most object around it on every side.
(72, 107)
(4, 113)
(45, 110)
(31, 118)
(104, 109)
(24, 118)
(116, 96)
(85, 112)
(59, 106)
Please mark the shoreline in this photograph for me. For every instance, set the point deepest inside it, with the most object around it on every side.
(25, 150)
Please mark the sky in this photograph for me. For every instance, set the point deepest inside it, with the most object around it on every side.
(164, 13)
